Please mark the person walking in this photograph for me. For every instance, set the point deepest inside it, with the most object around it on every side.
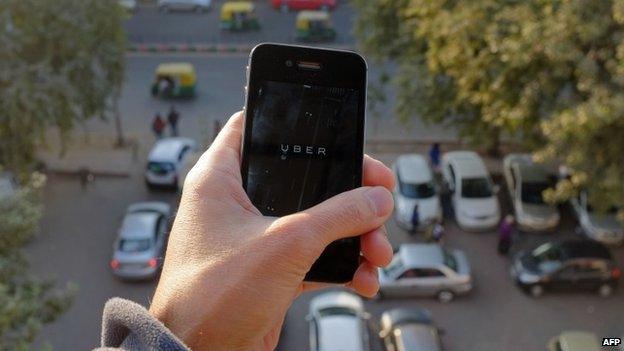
(505, 233)
(415, 220)
(158, 126)
(172, 119)
(434, 157)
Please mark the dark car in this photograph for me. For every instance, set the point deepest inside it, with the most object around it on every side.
(567, 265)
(409, 329)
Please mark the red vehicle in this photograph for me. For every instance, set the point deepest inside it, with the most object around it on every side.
(287, 5)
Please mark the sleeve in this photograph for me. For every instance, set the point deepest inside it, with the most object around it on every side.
(128, 326)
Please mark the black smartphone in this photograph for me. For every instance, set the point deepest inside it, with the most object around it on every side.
(304, 137)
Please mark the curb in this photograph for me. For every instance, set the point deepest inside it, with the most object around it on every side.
(198, 48)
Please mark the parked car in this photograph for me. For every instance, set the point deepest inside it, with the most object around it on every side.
(410, 329)
(128, 5)
(567, 265)
(526, 181)
(138, 251)
(415, 186)
(287, 5)
(473, 196)
(338, 322)
(574, 341)
(184, 5)
(603, 227)
(169, 161)
(426, 270)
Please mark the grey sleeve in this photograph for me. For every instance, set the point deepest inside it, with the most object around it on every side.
(128, 326)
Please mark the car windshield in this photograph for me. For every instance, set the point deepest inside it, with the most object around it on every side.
(395, 267)
(160, 167)
(449, 260)
(547, 252)
(417, 190)
(473, 188)
(531, 193)
(134, 245)
(337, 310)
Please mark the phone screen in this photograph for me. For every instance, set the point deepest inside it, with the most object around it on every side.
(303, 141)
(303, 138)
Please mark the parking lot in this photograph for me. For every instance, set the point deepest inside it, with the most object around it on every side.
(494, 316)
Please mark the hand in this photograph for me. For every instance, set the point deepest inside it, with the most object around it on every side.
(230, 274)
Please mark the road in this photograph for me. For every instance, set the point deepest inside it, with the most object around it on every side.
(79, 226)
(147, 25)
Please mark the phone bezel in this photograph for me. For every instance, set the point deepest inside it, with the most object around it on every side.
(340, 68)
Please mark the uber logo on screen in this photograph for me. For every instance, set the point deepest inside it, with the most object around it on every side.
(611, 341)
(303, 149)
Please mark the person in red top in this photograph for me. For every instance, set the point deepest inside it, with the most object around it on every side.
(158, 126)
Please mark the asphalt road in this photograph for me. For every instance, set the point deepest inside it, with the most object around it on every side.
(148, 25)
(79, 227)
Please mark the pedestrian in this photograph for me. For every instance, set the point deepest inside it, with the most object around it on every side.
(415, 220)
(505, 233)
(85, 176)
(158, 126)
(434, 157)
(172, 119)
(438, 232)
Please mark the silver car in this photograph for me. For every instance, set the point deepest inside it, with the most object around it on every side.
(138, 251)
(184, 5)
(426, 270)
(526, 181)
(409, 329)
(603, 227)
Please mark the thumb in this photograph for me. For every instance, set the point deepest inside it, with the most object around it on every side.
(348, 214)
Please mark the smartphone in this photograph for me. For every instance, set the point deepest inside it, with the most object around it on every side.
(304, 136)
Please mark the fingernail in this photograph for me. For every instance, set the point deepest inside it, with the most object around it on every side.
(380, 199)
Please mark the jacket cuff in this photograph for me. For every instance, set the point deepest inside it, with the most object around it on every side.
(128, 326)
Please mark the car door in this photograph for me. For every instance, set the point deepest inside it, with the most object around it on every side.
(565, 278)
(591, 274)
(407, 283)
(432, 280)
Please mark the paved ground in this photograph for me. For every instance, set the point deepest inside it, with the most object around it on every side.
(79, 227)
(150, 26)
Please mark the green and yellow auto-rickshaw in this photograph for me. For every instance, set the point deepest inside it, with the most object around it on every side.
(239, 15)
(174, 80)
(314, 26)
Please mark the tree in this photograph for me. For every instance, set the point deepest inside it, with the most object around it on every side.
(26, 303)
(61, 63)
(548, 73)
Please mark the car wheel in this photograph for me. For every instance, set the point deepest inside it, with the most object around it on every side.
(445, 296)
(284, 8)
(164, 9)
(605, 290)
(536, 290)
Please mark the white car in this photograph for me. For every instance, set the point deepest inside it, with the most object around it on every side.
(415, 186)
(338, 322)
(184, 5)
(128, 5)
(426, 270)
(138, 251)
(526, 181)
(473, 195)
(169, 161)
(603, 227)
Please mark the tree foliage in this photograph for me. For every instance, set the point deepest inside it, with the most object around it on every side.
(26, 303)
(61, 63)
(546, 72)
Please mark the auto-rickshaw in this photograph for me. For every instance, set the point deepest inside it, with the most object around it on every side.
(239, 15)
(174, 80)
(314, 26)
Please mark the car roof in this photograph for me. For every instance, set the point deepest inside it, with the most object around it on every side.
(418, 337)
(421, 255)
(336, 299)
(413, 168)
(138, 225)
(340, 333)
(168, 149)
(578, 341)
(573, 249)
(467, 164)
(405, 315)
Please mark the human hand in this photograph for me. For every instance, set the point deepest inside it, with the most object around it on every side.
(230, 274)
